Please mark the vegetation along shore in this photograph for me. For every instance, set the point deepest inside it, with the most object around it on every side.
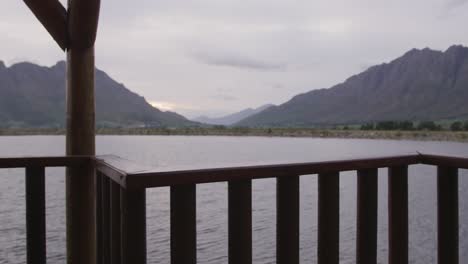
(456, 131)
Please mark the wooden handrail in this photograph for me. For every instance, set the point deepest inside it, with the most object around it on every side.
(23, 162)
(439, 160)
(133, 176)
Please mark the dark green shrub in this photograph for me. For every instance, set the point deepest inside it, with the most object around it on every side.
(386, 125)
(456, 126)
(429, 125)
(368, 126)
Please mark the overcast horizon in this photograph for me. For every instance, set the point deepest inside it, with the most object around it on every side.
(214, 57)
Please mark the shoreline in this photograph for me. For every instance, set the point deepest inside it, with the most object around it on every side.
(422, 135)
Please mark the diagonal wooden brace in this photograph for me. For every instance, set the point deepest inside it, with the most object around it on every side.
(83, 22)
(53, 16)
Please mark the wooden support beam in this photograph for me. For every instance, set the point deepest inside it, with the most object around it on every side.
(82, 25)
(83, 22)
(75, 31)
(81, 195)
(53, 17)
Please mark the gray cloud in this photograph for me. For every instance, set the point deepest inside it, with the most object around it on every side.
(456, 3)
(225, 97)
(182, 52)
(277, 86)
(241, 62)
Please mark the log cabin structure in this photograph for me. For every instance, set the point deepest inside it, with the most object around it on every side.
(106, 196)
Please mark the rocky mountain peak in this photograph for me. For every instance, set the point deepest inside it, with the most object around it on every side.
(60, 65)
(456, 49)
(423, 84)
(33, 95)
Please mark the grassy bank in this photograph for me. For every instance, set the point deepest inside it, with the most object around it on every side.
(267, 132)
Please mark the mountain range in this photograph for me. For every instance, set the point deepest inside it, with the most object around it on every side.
(34, 96)
(421, 85)
(231, 118)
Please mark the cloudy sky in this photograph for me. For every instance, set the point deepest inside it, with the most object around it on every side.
(218, 56)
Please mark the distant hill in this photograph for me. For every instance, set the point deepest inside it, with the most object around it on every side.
(421, 85)
(232, 118)
(34, 96)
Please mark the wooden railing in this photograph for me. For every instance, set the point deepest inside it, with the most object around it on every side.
(35, 198)
(121, 207)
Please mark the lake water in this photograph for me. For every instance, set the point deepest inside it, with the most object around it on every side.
(197, 152)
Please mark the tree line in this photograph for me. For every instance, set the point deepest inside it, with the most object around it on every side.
(410, 126)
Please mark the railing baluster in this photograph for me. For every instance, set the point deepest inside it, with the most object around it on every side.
(240, 221)
(447, 196)
(398, 214)
(35, 215)
(366, 244)
(123, 224)
(99, 241)
(183, 224)
(105, 220)
(134, 226)
(115, 233)
(328, 218)
(287, 215)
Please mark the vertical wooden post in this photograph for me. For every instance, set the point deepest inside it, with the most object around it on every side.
(82, 21)
(115, 224)
(328, 218)
(240, 221)
(80, 181)
(366, 242)
(398, 215)
(35, 215)
(105, 221)
(99, 227)
(134, 225)
(75, 31)
(447, 215)
(287, 220)
(184, 224)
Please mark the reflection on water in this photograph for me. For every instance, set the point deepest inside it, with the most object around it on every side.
(196, 152)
